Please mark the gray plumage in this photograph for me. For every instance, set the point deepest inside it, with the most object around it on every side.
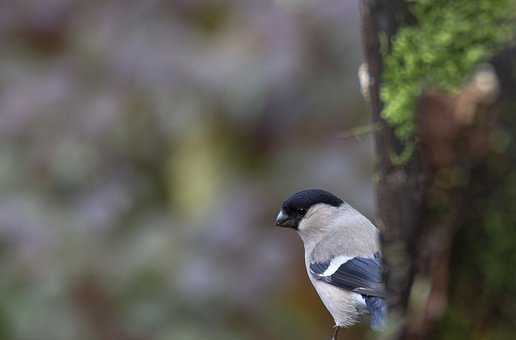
(342, 255)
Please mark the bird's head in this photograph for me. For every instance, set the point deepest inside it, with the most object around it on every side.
(303, 205)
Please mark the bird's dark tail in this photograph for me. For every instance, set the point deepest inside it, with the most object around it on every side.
(378, 309)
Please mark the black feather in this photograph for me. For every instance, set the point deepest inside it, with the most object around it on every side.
(361, 275)
(303, 200)
(378, 309)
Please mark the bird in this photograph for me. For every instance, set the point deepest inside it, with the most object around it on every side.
(342, 256)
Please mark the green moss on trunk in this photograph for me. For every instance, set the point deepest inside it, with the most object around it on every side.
(448, 41)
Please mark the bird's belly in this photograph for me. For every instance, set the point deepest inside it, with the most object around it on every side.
(345, 306)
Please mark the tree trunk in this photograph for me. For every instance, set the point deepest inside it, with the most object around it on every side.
(448, 212)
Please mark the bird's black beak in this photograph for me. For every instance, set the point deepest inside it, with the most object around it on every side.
(284, 220)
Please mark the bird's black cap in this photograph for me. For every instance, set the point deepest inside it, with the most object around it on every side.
(296, 206)
(307, 198)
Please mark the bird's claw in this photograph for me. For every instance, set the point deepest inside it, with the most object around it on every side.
(336, 333)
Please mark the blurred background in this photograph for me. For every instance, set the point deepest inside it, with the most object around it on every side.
(145, 148)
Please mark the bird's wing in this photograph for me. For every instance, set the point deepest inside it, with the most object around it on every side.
(358, 274)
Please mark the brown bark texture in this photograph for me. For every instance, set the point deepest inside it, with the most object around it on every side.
(445, 213)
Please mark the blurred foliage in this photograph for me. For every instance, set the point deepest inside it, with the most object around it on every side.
(450, 39)
(483, 276)
(144, 149)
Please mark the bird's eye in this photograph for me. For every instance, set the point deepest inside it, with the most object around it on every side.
(301, 211)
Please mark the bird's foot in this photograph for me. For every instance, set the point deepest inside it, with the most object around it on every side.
(336, 332)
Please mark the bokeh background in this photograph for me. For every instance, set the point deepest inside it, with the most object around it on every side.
(145, 148)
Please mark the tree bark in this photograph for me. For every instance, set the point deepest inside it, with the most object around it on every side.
(437, 209)
(399, 190)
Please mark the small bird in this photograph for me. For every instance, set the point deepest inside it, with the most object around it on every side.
(342, 256)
